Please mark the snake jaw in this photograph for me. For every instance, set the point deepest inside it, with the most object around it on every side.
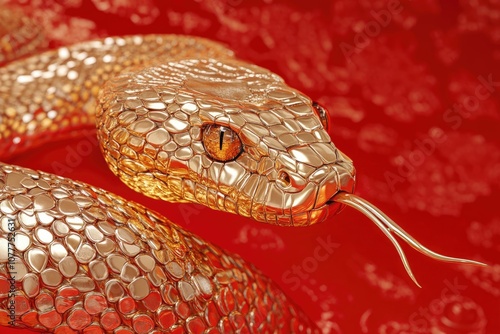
(312, 203)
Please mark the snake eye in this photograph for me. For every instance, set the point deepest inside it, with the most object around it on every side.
(322, 113)
(221, 143)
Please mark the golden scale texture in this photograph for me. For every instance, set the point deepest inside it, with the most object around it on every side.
(54, 93)
(85, 259)
(151, 123)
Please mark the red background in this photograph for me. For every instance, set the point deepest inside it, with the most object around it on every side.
(394, 91)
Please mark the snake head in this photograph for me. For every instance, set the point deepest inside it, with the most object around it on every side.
(225, 134)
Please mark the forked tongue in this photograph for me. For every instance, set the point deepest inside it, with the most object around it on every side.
(388, 226)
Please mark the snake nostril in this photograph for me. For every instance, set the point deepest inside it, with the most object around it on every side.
(284, 179)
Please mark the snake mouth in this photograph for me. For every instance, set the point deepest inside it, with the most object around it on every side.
(343, 181)
(323, 204)
(315, 215)
(332, 206)
(328, 203)
(334, 199)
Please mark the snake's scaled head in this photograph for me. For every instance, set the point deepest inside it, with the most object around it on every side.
(225, 134)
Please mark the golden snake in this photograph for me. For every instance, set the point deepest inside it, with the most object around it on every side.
(181, 119)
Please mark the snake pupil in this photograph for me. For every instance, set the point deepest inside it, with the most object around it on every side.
(221, 138)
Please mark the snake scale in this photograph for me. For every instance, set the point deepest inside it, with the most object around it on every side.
(178, 118)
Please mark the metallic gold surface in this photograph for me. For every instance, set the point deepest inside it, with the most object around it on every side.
(178, 119)
(85, 273)
(225, 134)
(53, 94)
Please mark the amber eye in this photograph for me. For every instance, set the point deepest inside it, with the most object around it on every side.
(322, 114)
(221, 143)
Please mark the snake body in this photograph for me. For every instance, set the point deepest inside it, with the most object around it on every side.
(88, 260)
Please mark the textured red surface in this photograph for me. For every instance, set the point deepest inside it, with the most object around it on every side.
(413, 92)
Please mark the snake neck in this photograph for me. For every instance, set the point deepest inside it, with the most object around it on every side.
(53, 95)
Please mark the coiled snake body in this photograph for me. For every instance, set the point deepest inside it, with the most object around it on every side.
(182, 120)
